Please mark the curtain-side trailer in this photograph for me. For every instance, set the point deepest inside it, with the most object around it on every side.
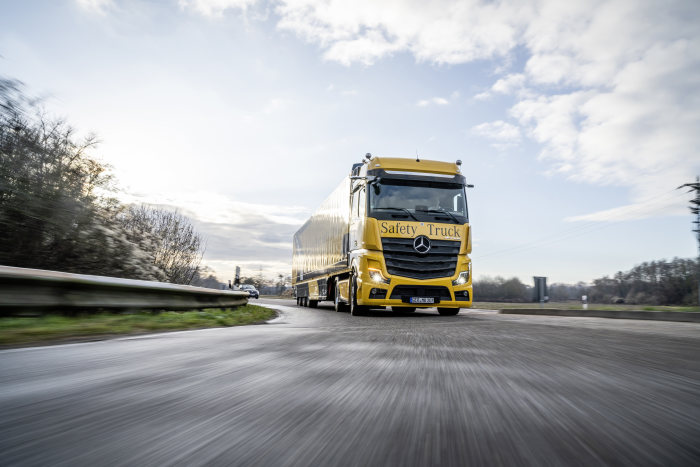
(396, 233)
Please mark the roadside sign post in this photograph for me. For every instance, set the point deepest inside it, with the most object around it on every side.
(540, 290)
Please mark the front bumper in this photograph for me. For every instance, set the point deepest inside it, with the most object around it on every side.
(399, 290)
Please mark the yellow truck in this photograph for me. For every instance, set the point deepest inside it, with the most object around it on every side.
(396, 233)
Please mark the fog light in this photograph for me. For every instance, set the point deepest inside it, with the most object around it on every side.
(377, 293)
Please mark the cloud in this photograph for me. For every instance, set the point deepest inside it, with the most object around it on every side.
(236, 233)
(633, 211)
(271, 106)
(432, 101)
(610, 89)
(96, 6)
(509, 84)
(365, 31)
(276, 105)
(640, 131)
(345, 92)
(214, 8)
(504, 134)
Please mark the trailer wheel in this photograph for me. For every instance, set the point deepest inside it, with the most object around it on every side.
(313, 303)
(355, 309)
(448, 311)
(337, 303)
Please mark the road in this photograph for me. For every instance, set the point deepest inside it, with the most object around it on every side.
(318, 388)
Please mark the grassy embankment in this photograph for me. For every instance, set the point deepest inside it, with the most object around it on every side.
(577, 306)
(56, 327)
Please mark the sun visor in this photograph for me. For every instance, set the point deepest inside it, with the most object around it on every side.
(451, 179)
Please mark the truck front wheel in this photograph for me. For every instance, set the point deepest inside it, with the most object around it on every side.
(355, 309)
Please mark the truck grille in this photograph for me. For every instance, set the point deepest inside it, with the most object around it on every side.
(402, 260)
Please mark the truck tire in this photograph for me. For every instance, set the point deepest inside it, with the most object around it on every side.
(313, 303)
(337, 302)
(448, 311)
(355, 309)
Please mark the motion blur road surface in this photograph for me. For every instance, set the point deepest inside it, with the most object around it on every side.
(319, 388)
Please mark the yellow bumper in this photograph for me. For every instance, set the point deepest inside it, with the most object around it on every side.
(399, 287)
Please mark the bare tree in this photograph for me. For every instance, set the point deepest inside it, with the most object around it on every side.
(175, 246)
(53, 212)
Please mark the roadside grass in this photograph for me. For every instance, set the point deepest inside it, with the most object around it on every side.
(577, 306)
(49, 327)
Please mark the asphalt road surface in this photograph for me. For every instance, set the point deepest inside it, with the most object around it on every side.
(319, 388)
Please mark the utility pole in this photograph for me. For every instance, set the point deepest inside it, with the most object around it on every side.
(695, 209)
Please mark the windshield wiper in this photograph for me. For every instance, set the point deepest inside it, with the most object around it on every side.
(443, 211)
(404, 210)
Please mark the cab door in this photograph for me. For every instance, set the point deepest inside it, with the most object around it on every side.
(358, 210)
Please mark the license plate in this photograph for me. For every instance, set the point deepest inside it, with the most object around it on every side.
(422, 300)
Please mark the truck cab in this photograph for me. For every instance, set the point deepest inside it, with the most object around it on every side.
(409, 237)
(395, 233)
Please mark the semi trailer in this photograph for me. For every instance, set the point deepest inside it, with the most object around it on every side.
(394, 233)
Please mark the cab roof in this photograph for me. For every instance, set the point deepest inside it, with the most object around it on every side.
(401, 164)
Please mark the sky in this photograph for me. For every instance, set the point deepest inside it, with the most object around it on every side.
(575, 121)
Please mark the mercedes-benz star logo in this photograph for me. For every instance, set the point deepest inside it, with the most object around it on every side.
(421, 244)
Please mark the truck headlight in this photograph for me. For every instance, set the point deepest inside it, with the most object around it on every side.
(377, 276)
(462, 279)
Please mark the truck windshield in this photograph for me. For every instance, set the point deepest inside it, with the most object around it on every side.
(418, 200)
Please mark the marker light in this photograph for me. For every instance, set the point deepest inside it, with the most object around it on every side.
(377, 276)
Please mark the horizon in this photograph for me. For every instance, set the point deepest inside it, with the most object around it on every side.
(575, 122)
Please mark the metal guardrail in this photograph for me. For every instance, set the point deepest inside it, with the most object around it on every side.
(36, 289)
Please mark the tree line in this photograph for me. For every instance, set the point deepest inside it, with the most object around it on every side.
(659, 282)
(58, 210)
(276, 286)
